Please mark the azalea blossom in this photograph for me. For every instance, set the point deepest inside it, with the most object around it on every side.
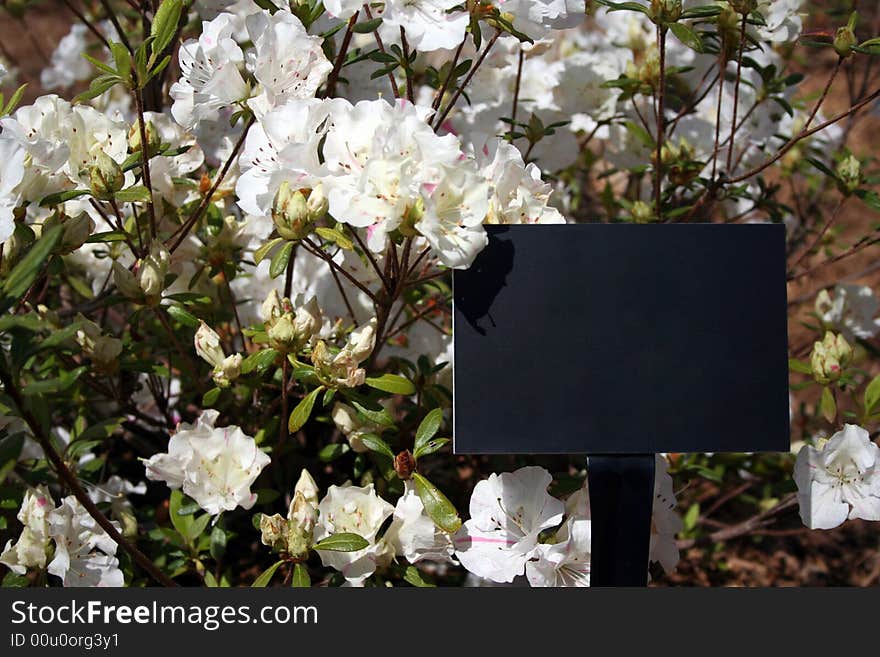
(508, 512)
(29, 551)
(211, 79)
(840, 479)
(84, 552)
(358, 510)
(286, 61)
(429, 24)
(853, 311)
(215, 466)
(413, 535)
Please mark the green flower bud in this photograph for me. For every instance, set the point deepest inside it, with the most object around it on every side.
(665, 11)
(850, 173)
(317, 204)
(282, 333)
(273, 531)
(105, 176)
(301, 519)
(844, 41)
(829, 358)
(642, 213)
(290, 212)
(126, 282)
(154, 140)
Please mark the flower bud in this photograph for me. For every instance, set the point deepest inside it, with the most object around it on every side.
(153, 270)
(829, 358)
(105, 176)
(307, 487)
(227, 371)
(352, 427)
(301, 519)
(290, 212)
(103, 350)
(307, 320)
(642, 213)
(273, 530)
(404, 464)
(154, 140)
(318, 204)
(361, 341)
(207, 344)
(272, 308)
(126, 282)
(665, 11)
(844, 41)
(849, 171)
(282, 333)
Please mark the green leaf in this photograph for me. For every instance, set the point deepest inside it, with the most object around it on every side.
(691, 517)
(303, 410)
(136, 194)
(300, 579)
(869, 198)
(122, 59)
(625, 6)
(872, 395)
(414, 576)
(392, 383)
(263, 580)
(342, 542)
(263, 251)
(382, 417)
(687, 35)
(430, 447)
(107, 236)
(182, 316)
(796, 365)
(61, 197)
(428, 428)
(58, 384)
(23, 274)
(218, 542)
(164, 26)
(828, 405)
(210, 397)
(437, 505)
(98, 86)
(376, 444)
(705, 11)
(336, 236)
(280, 260)
(367, 26)
(258, 361)
(333, 451)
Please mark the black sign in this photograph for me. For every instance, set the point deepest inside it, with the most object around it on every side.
(622, 338)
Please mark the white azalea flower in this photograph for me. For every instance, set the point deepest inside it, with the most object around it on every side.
(343, 8)
(353, 427)
(413, 535)
(565, 562)
(29, 551)
(281, 146)
(11, 174)
(381, 157)
(358, 510)
(429, 24)
(532, 15)
(211, 77)
(84, 552)
(852, 311)
(454, 214)
(215, 466)
(839, 480)
(68, 65)
(508, 512)
(518, 195)
(287, 61)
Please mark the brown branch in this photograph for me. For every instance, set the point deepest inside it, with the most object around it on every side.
(467, 80)
(330, 88)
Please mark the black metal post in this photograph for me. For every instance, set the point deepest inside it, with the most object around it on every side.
(621, 499)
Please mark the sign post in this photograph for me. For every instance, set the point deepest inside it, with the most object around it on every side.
(620, 341)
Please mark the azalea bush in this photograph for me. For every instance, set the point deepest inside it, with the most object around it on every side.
(227, 235)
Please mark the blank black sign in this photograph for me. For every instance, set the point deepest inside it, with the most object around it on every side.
(622, 338)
